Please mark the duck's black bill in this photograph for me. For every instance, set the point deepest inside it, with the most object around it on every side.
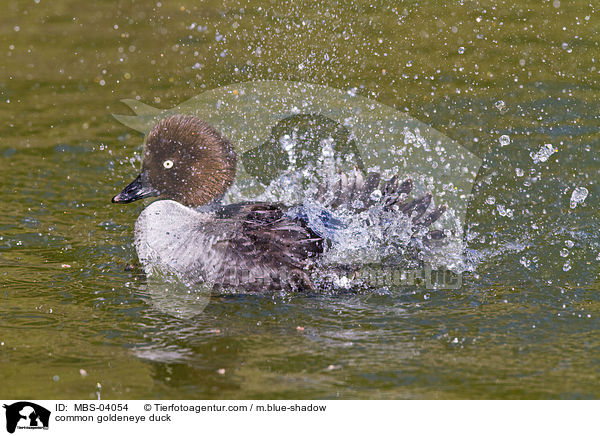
(136, 190)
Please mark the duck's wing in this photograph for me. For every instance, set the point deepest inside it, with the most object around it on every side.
(358, 193)
(260, 247)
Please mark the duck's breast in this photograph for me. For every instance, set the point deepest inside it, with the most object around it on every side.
(170, 236)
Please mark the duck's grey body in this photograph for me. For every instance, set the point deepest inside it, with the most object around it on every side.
(250, 245)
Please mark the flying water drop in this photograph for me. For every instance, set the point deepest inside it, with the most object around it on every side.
(578, 196)
(543, 154)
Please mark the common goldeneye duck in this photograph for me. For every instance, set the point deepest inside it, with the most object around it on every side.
(256, 246)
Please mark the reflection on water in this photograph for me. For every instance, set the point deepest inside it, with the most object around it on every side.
(505, 81)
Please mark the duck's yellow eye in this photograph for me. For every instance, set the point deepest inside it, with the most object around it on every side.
(168, 164)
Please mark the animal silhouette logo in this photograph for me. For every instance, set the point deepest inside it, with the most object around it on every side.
(26, 415)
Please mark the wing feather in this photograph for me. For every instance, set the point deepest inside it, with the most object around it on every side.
(263, 248)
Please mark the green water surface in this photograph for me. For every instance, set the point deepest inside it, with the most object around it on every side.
(74, 323)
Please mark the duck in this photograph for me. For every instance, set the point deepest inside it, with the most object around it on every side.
(188, 166)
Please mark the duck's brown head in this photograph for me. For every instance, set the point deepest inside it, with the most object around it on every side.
(185, 160)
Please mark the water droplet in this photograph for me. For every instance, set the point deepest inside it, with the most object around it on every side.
(564, 252)
(578, 196)
(567, 266)
(504, 211)
(501, 106)
(287, 143)
(461, 50)
(543, 154)
(569, 243)
(504, 140)
(376, 195)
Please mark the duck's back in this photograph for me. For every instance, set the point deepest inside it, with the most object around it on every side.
(255, 246)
